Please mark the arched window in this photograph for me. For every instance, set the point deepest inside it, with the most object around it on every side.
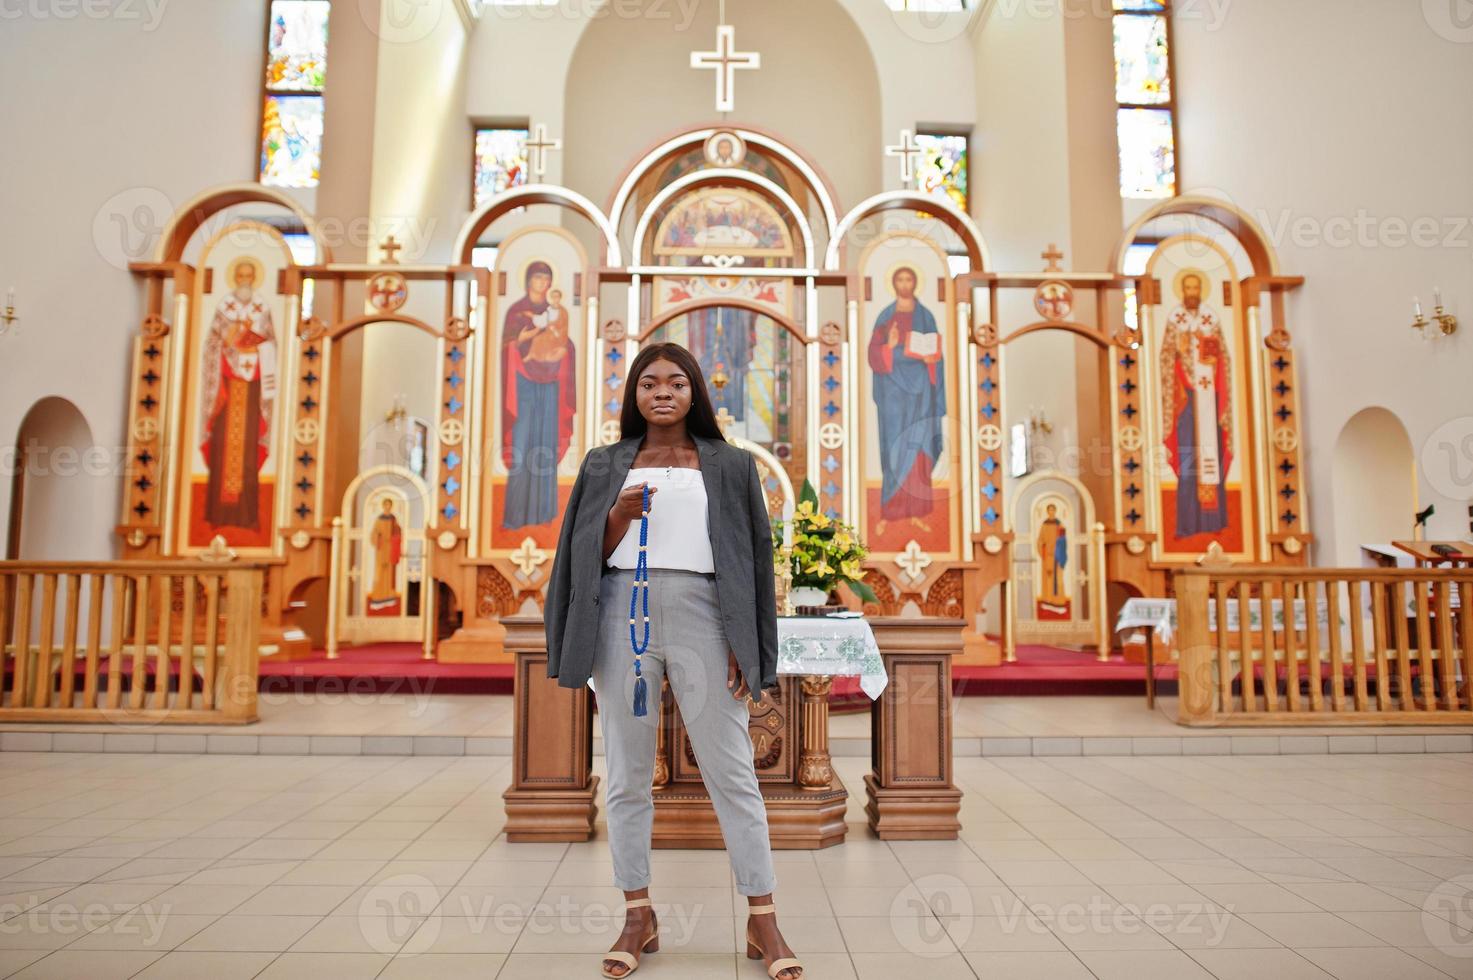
(291, 103)
(1145, 113)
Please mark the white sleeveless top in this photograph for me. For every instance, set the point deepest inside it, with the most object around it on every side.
(680, 535)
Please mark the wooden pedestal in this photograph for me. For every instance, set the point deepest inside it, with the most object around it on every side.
(806, 801)
(796, 817)
(910, 792)
(553, 792)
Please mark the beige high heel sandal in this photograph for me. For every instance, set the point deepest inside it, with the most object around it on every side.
(754, 952)
(650, 945)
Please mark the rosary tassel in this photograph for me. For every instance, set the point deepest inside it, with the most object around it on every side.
(639, 696)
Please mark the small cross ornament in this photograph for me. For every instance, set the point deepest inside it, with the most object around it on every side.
(907, 150)
(725, 61)
(539, 146)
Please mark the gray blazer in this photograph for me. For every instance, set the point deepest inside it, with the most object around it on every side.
(741, 544)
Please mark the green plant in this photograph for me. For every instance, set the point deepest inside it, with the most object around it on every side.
(825, 551)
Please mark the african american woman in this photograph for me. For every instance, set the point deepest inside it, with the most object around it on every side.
(664, 571)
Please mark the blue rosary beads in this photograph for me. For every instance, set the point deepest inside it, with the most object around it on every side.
(641, 579)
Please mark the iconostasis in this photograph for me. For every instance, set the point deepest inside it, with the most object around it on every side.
(1018, 450)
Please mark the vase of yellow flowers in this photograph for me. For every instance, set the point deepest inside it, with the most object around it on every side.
(822, 553)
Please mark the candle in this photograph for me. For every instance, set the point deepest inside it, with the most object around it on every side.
(1417, 307)
(1436, 298)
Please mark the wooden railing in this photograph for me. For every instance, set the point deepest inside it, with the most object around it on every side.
(1325, 646)
(130, 642)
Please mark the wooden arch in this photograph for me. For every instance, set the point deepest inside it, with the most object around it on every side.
(680, 141)
(1230, 217)
(348, 326)
(520, 197)
(701, 304)
(939, 207)
(1072, 326)
(192, 216)
(694, 181)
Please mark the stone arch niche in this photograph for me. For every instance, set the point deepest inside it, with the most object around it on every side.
(1374, 485)
(58, 475)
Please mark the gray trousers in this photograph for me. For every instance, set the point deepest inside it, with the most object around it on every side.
(687, 645)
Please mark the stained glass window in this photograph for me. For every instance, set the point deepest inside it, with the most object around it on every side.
(942, 166)
(1141, 61)
(304, 252)
(1147, 153)
(296, 57)
(501, 162)
(1145, 102)
(296, 73)
(291, 140)
(1137, 254)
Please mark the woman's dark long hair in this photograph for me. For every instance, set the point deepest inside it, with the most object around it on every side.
(700, 421)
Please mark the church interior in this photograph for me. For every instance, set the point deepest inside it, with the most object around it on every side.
(1123, 336)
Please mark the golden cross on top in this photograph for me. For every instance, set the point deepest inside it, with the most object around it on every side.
(390, 248)
(1052, 255)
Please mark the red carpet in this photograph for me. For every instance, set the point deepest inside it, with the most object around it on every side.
(1039, 670)
(1043, 670)
(384, 668)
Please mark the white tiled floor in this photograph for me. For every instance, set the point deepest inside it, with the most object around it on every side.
(1164, 867)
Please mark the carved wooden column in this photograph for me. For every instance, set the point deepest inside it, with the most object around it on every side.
(553, 789)
(815, 767)
(911, 794)
(662, 736)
